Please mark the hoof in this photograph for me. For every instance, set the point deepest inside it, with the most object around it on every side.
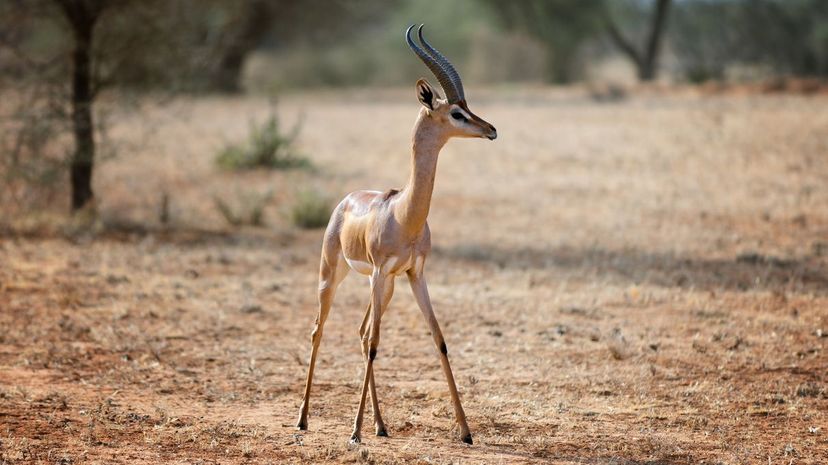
(383, 433)
(354, 440)
(467, 439)
(302, 425)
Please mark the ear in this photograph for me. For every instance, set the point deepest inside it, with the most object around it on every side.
(426, 94)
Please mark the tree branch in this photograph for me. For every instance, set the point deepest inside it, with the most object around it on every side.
(622, 42)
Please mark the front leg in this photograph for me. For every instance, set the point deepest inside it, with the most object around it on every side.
(420, 290)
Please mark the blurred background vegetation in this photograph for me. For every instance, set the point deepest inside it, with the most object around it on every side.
(57, 56)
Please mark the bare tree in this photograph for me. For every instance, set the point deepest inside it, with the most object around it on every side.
(646, 60)
(243, 35)
(94, 40)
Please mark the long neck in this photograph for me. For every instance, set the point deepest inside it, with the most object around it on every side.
(415, 198)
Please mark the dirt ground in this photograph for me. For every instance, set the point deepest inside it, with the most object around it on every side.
(644, 281)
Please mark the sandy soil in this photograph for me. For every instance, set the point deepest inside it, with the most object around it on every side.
(636, 282)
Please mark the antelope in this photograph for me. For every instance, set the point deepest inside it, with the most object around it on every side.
(385, 234)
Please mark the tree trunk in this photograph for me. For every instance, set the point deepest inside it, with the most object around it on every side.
(84, 157)
(646, 61)
(250, 29)
(647, 70)
(82, 16)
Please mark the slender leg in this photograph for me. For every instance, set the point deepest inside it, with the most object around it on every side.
(332, 271)
(372, 390)
(379, 282)
(418, 286)
(363, 334)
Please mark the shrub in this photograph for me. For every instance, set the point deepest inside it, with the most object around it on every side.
(249, 212)
(267, 147)
(32, 164)
(311, 210)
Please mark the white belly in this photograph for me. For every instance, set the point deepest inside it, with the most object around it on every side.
(360, 266)
(390, 267)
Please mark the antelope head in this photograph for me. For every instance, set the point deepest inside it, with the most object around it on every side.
(452, 113)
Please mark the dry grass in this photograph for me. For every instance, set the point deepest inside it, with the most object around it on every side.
(637, 282)
(311, 210)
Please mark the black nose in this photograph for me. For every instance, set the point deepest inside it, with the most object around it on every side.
(492, 133)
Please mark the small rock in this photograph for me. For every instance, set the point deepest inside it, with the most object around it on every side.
(115, 279)
(251, 308)
(809, 390)
(617, 345)
(790, 450)
(736, 343)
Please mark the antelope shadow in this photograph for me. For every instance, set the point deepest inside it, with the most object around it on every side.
(748, 271)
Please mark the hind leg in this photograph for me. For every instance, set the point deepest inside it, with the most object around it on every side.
(332, 271)
(378, 283)
(372, 390)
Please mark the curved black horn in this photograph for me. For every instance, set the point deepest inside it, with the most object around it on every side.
(444, 63)
(436, 68)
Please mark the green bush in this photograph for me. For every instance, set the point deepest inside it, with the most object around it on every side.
(267, 147)
(311, 210)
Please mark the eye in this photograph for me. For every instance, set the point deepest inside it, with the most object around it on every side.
(458, 116)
